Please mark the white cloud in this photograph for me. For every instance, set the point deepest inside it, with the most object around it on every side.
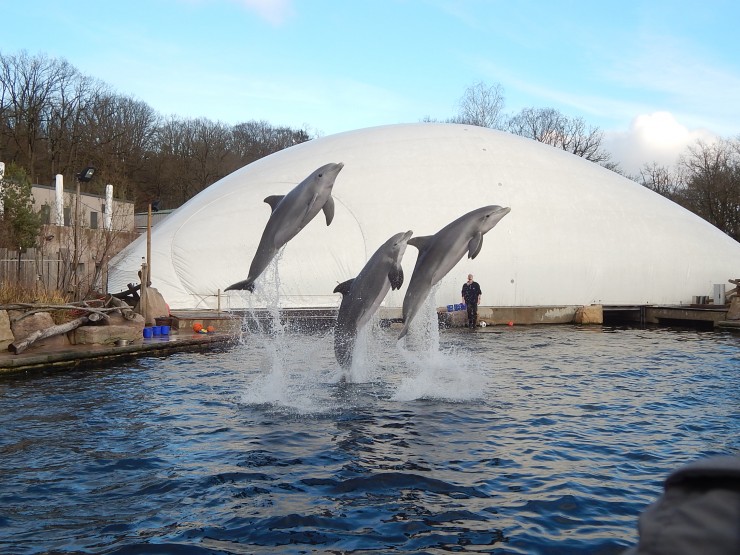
(657, 137)
(681, 76)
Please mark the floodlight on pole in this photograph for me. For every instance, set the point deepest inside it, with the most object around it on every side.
(86, 174)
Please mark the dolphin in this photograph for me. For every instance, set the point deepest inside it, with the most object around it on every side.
(290, 214)
(439, 253)
(361, 296)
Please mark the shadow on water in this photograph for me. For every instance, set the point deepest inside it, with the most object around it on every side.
(512, 440)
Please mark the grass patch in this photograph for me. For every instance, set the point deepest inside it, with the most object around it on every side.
(12, 293)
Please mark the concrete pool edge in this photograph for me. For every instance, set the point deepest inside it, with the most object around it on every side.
(87, 356)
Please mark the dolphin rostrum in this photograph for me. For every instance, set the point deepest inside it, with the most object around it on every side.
(290, 214)
(439, 253)
(362, 295)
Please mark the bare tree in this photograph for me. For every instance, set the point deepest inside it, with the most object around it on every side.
(253, 140)
(29, 87)
(550, 126)
(713, 183)
(662, 180)
(68, 116)
(55, 120)
(481, 105)
(118, 138)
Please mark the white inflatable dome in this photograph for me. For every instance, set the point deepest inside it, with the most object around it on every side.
(577, 233)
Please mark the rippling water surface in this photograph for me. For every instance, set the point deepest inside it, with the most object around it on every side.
(513, 440)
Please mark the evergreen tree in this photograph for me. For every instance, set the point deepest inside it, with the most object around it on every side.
(19, 225)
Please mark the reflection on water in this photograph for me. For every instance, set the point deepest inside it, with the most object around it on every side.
(515, 440)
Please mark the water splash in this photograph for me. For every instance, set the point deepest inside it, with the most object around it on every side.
(442, 375)
(372, 345)
(298, 373)
(423, 333)
(436, 374)
(293, 370)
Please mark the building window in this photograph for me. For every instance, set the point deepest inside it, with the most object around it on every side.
(67, 216)
(93, 220)
(45, 214)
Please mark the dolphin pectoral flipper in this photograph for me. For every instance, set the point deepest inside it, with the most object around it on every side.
(395, 276)
(274, 200)
(344, 287)
(475, 244)
(329, 210)
(421, 242)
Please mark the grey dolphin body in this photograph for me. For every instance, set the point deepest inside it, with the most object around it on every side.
(362, 295)
(290, 214)
(439, 253)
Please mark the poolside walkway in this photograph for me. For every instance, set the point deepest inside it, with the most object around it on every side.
(54, 357)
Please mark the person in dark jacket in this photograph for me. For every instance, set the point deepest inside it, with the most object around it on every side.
(471, 294)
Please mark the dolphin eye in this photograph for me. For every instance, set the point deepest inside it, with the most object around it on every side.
(321, 175)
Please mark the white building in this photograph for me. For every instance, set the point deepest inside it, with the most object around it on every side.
(577, 233)
(92, 209)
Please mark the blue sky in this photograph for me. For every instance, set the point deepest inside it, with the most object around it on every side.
(654, 76)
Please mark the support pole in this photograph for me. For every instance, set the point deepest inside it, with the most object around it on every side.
(76, 257)
(143, 293)
(149, 245)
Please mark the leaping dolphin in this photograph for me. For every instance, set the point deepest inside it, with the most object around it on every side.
(290, 214)
(362, 295)
(439, 253)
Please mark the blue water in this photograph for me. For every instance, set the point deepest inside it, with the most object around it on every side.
(513, 440)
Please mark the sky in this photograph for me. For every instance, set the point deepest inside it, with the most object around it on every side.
(654, 76)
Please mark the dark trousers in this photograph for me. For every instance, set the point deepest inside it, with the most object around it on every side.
(472, 314)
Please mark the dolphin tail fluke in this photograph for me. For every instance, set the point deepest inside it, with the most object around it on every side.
(247, 284)
(404, 331)
(395, 276)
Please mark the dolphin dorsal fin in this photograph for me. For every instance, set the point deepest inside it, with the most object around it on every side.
(344, 287)
(395, 276)
(274, 200)
(475, 244)
(329, 210)
(421, 242)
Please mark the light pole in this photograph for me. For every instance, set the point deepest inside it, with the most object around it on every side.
(83, 177)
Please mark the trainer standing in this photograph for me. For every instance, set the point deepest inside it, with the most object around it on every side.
(471, 294)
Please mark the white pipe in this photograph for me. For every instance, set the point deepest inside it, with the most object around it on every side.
(108, 216)
(59, 199)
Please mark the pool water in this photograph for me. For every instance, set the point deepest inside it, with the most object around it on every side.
(522, 440)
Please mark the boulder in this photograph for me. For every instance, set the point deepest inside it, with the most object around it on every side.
(115, 328)
(734, 312)
(39, 321)
(593, 314)
(154, 303)
(6, 334)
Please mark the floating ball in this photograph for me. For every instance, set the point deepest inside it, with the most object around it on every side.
(197, 327)
(511, 323)
(210, 329)
(483, 324)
